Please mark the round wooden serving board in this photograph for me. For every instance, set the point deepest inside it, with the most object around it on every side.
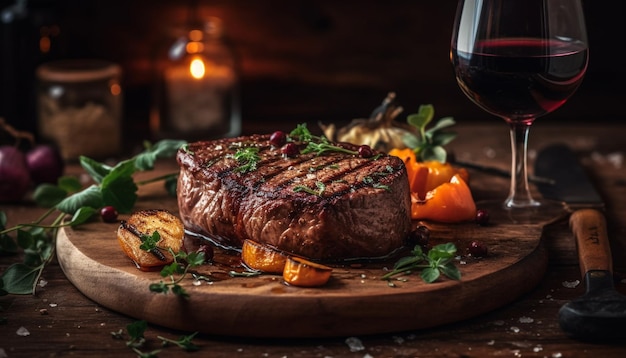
(354, 302)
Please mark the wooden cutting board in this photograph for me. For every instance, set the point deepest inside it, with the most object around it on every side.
(354, 302)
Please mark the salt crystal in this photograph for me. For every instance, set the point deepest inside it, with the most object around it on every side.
(22, 331)
(398, 339)
(354, 344)
(498, 323)
(515, 329)
(367, 355)
(571, 284)
(538, 348)
(53, 305)
(526, 320)
(43, 283)
(557, 355)
(491, 342)
(197, 283)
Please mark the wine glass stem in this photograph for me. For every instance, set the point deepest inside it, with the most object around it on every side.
(519, 195)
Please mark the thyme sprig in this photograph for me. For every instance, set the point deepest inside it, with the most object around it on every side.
(439, 260)
(316, 144)
(176, 271)
(321, 187)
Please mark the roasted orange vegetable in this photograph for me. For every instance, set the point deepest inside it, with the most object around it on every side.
(426, 176)
(143, 223)
(304, 273)
(449, 202)
(262, 257)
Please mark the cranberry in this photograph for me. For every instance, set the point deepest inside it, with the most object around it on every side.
(482, 217)
(419, 236)
(290, 150)
(108, 214)
(278, 139)
(477, 249)
(207, 250)
(365, 151)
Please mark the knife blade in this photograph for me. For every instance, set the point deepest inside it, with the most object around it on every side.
(600, 314)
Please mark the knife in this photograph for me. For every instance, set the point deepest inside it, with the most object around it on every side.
(600, 314)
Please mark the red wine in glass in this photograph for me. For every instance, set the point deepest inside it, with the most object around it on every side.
(520, 79)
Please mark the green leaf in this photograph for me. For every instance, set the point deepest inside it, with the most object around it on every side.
(424, 115)
(441, 124)
(70, 184)
(451, 271)
(137, 329)
(48, 195)
(7, 245)
(82, 215)
(179, 291)
(19, 279)
(195, 258)
(443, 138)
(95, 169)
(171, 185)
(120, 193)
(430, 275)
(163, 149)
(91, 196)
(25, 239)
(433, 153)
(160, 287)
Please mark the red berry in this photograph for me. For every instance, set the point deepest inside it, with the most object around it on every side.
(482, 217)
(108, 214)
(278, 139)
(419, 236)
(477, 249)
(290, 150)
(365, 151)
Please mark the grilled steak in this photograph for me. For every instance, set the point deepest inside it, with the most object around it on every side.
(332, 206)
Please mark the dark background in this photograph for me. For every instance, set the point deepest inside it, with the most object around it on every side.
(301, 60)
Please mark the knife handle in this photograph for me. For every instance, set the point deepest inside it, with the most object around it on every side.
(594, 250)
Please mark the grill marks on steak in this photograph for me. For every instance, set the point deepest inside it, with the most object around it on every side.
(363, 211)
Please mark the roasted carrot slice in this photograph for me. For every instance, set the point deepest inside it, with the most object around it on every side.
(304, 273)
(262, 257)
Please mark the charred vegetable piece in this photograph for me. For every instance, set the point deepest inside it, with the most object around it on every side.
(142, 226)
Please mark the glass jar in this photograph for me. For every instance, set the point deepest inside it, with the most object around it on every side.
(198, 92)
(80, 107)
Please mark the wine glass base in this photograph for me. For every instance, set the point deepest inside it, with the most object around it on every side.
(544, 213)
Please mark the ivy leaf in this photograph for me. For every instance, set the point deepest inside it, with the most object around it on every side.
(19, 279)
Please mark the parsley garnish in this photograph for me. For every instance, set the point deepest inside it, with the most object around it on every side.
(247, 158)
(439, 260)
(136, 331)
(192, 259)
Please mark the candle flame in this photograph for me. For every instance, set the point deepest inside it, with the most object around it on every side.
(197, 68)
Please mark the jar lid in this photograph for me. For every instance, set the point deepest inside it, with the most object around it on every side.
(78, 70)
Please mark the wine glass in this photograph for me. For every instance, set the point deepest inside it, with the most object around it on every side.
(518, 60)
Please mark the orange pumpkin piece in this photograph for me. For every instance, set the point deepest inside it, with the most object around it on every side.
(426, 176)
(262, 257)
(449, 203)
(304, 273)
(140, 224)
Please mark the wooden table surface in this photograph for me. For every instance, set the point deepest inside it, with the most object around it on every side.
(63, 322)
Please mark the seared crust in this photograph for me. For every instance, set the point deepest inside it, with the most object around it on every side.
(363, 210)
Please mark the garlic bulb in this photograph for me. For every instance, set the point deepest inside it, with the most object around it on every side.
(380, 131)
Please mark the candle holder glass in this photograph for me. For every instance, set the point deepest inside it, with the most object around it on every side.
(198, 93)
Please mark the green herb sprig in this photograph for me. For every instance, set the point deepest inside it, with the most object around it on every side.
(316, 144)
(321, 187)
(113, 185)
(176, 271)
(439, 260)
(247, 158)
(136, 332)
(429, 143)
